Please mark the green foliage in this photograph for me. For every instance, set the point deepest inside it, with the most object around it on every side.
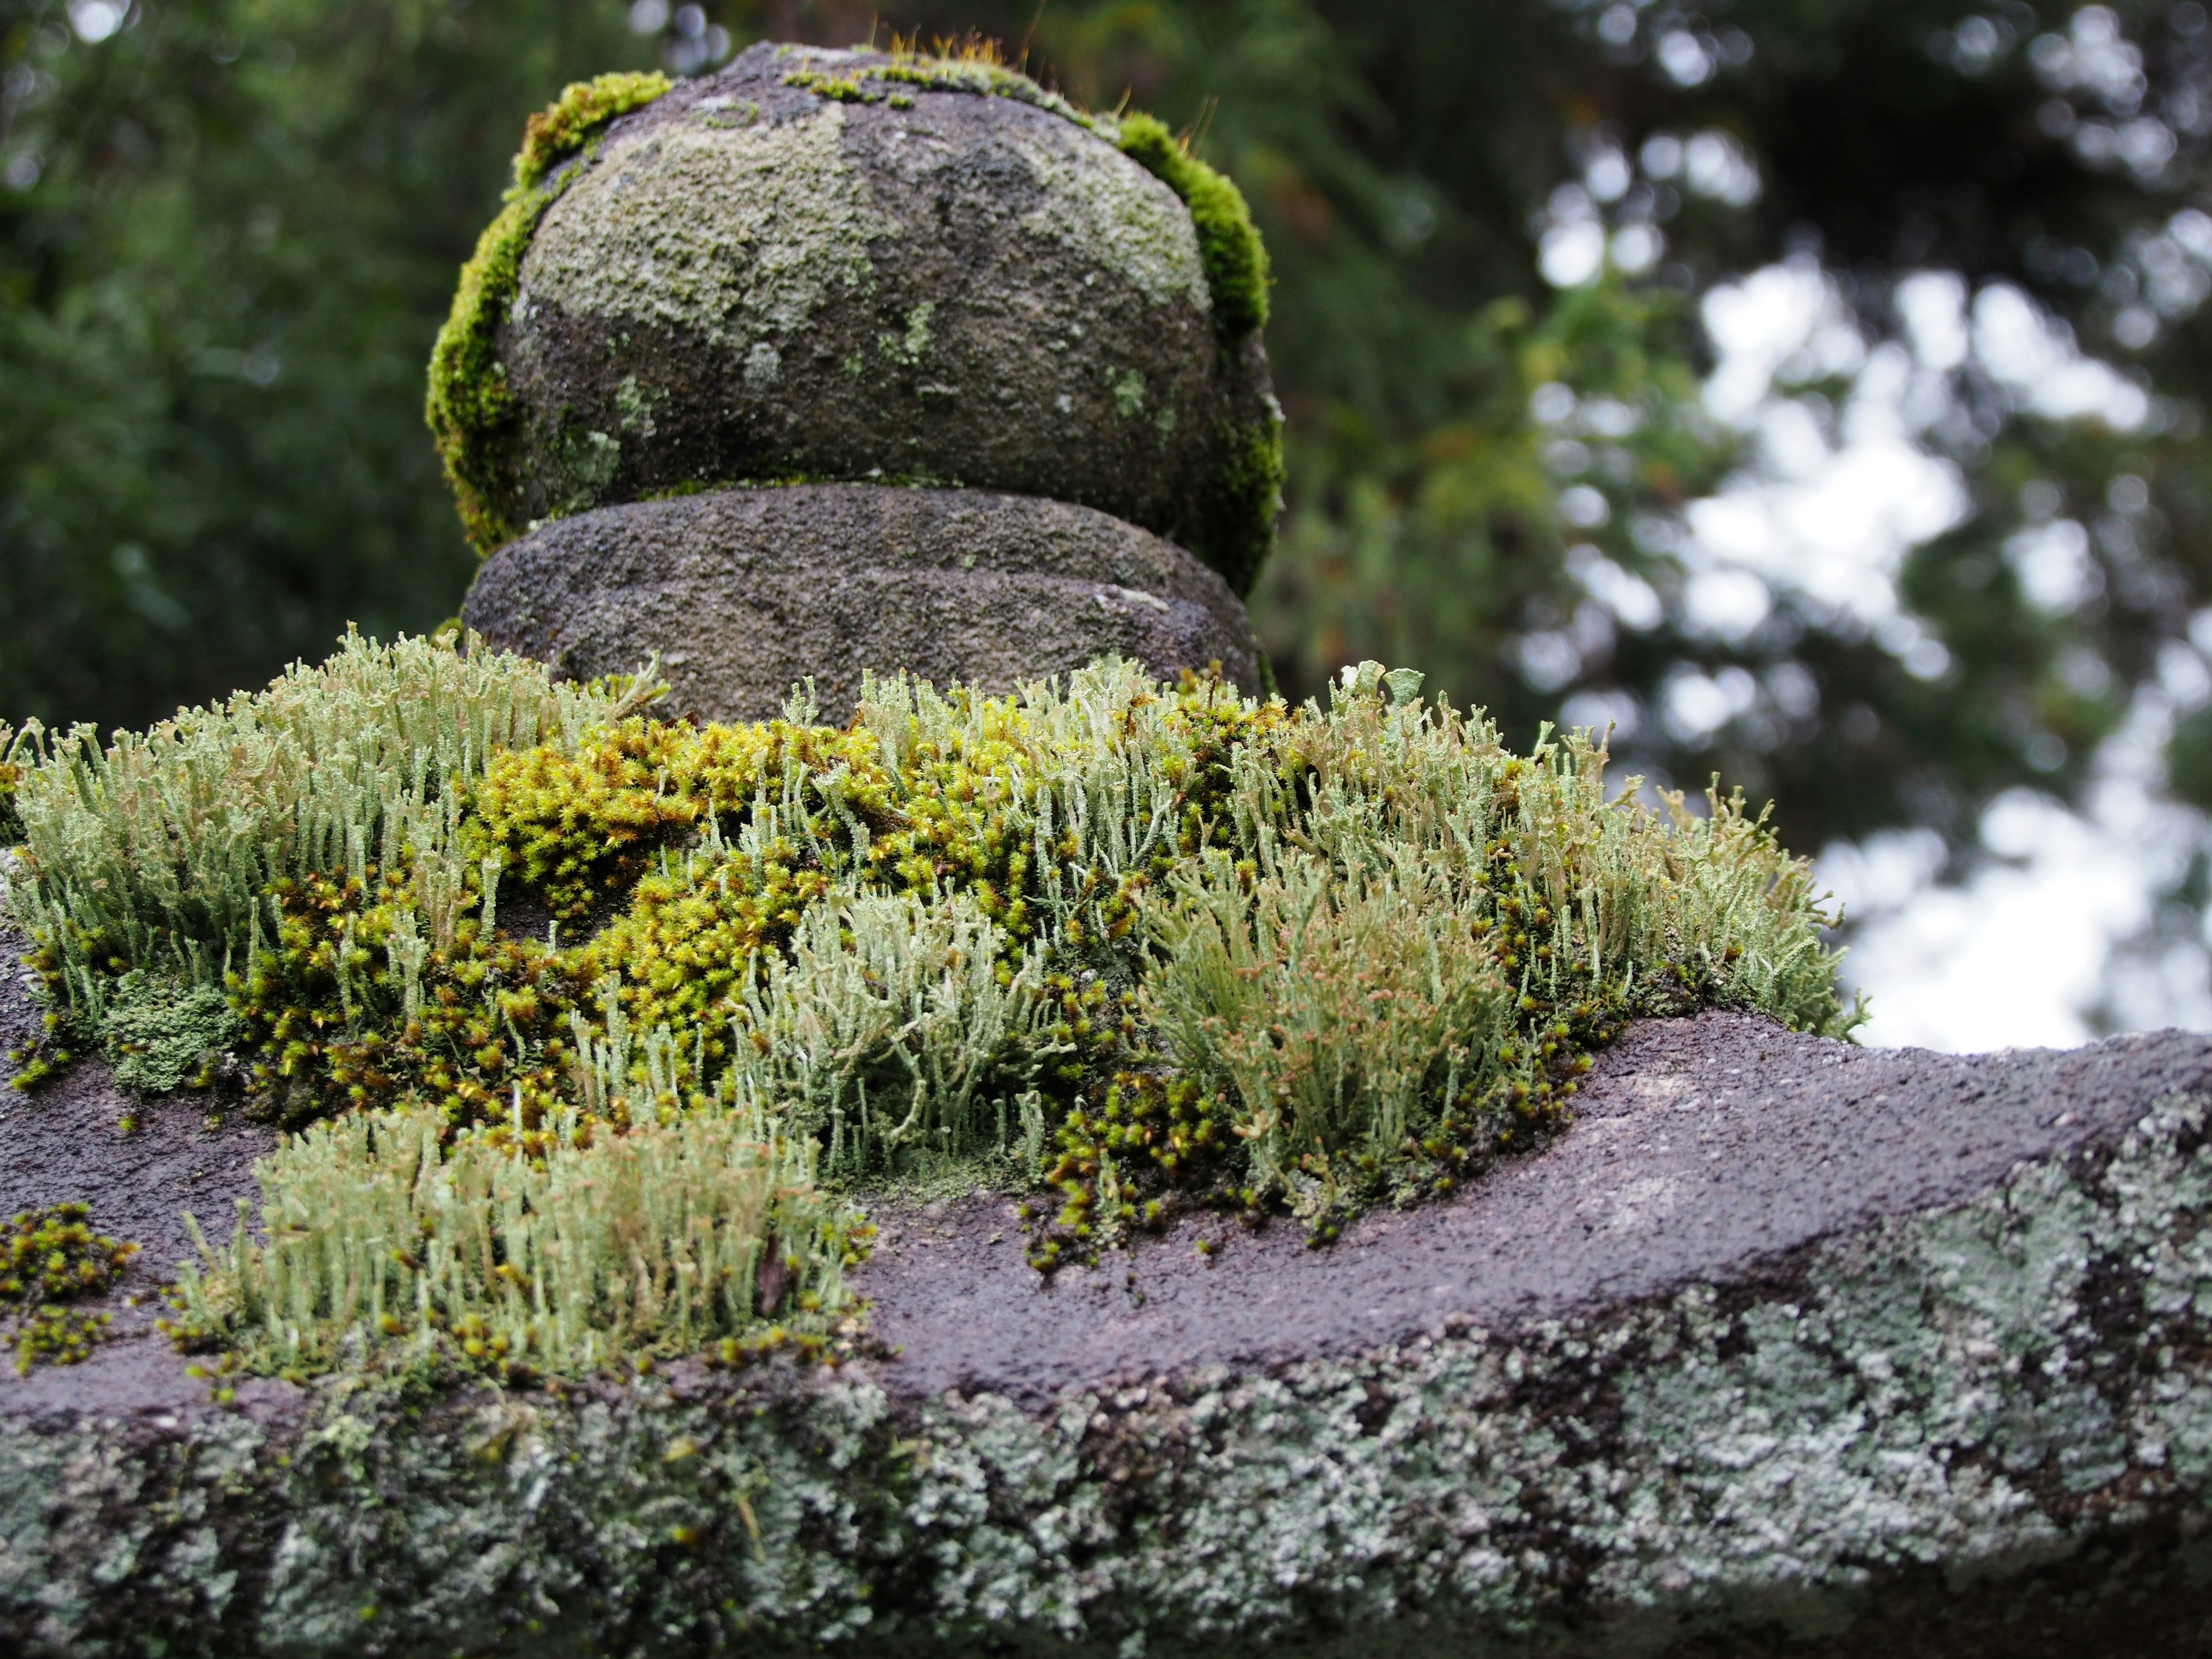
(468, 409)
(1447, 549)
(216, 303)
(52, 1257)
(2188, 758)
(388, 1237)
(159, 1035)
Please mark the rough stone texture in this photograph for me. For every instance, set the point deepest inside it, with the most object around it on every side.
(751, 282)
(1784, 1348)
(746, 591)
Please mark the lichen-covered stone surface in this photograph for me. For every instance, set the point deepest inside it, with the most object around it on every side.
(745, 593)
(1784, 1348)
(749, 281)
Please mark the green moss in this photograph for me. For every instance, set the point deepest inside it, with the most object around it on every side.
(470, 408)
(563, 126)
(1236, 259)
(48, 1258)
(1244, 493)
(976, 69)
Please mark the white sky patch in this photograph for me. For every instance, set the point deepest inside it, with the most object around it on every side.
(1830, 517)
(2019, 955)
(1835, 500)
(2014, 957)
(2036, 358)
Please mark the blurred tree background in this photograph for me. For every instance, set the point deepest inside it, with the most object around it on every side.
(1812, 390)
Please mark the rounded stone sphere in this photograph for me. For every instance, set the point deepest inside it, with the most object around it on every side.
(743, 593)
(808, 268)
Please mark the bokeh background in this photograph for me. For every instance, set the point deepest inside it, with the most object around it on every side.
(1813, 391)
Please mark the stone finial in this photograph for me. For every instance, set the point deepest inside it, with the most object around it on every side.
(857, 267)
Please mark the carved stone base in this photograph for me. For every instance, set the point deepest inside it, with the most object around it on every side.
(744, 592)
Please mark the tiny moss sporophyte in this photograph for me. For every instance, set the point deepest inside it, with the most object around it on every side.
(595, 1031)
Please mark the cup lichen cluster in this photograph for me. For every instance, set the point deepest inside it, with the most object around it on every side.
(597, 1030)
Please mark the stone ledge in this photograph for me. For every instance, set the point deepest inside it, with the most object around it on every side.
(1785, 1347)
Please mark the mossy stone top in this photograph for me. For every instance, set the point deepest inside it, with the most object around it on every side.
(829, 265)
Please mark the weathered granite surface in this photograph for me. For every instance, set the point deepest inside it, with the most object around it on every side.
(1784, 1348)
(752, 281)
(746, 591)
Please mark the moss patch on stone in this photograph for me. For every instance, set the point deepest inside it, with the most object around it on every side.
(566, 123)
(1246, 489)
(49, 1259)
(468, 408)
(1229, 242)
(1243, 496)
(1036, 938)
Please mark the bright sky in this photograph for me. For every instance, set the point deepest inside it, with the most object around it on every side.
(2020, 955)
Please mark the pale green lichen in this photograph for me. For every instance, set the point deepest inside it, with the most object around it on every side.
(638, 405)
(1931, 1401)
(1090, 204)
(385, 1238)
(738, 235)
(160, 1033)
(908, 349)
(590, 459)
